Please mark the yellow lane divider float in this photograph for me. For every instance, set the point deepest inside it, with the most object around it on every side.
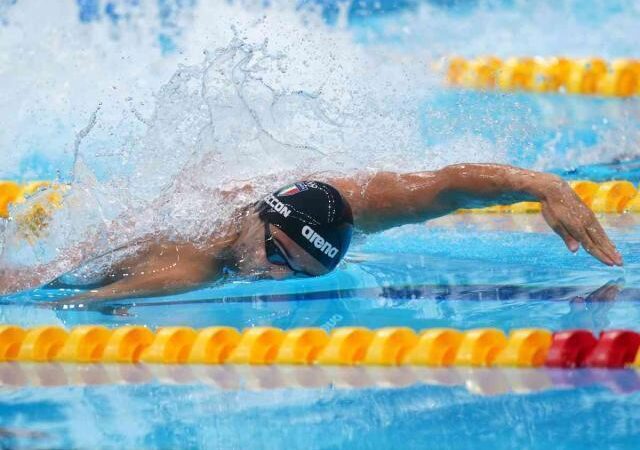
(12, 192)
(35, 217)
(616, 196)
(348, 346)
(607, 197)
(587, 76)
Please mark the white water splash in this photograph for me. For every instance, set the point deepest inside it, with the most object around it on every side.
(257, 97)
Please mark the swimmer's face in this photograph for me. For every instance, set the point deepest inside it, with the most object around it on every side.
(294, 261)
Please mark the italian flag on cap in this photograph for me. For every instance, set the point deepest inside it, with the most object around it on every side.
(290, 190)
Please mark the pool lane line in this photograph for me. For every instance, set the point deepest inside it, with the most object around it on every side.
(609, 292)
(558, 75)
(343, 346)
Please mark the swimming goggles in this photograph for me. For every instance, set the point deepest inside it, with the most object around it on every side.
(277, 255)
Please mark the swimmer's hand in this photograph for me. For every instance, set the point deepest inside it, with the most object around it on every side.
(576, 224)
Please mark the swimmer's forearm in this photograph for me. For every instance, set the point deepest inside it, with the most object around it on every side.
(117, 293)
(175, 282)
(388, 199)
(480, 185)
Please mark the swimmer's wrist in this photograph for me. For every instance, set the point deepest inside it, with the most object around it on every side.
(545, 185)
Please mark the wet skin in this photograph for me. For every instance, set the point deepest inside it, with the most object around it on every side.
(379, 201)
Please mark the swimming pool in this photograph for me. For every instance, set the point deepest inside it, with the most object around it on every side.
(463, 271)
(390, 281)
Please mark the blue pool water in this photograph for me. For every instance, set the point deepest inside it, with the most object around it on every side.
(463, 271)
(454, 276)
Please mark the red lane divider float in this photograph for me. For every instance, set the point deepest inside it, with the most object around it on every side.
(570, 348)
(580, 348)
(615, 349)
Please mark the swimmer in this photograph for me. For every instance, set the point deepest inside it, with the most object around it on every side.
(304, 229)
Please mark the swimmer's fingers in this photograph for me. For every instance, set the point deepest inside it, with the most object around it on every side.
(594, 239)
(572, 243)
(599, 236)
(573, 231)
(592, 247)
(569, 216)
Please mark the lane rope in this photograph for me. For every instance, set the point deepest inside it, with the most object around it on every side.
(347, 346)
(579, 76)
(617, 196)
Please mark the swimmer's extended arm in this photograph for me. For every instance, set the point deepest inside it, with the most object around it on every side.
(181, 279)
(389, 199)
(165, 269)
(143, 286)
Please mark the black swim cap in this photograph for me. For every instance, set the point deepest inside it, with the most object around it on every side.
(315, 216)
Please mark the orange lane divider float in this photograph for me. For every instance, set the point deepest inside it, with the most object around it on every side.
(587, 76)
(617, 196)
(347, 346)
